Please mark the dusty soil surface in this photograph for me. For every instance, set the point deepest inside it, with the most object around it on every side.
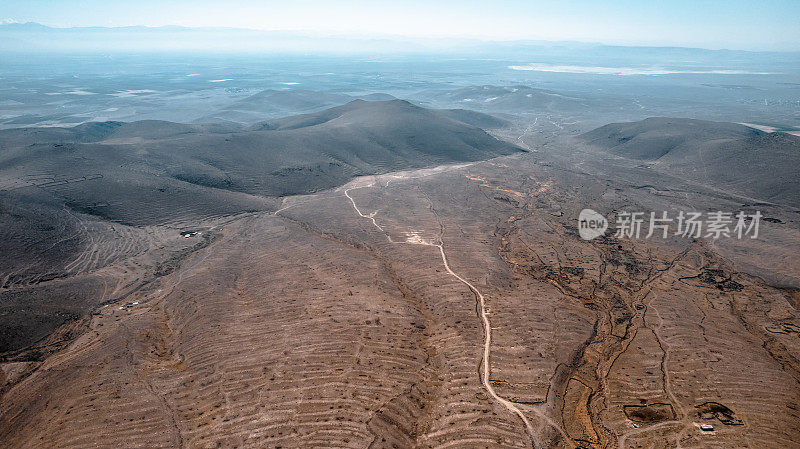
(441, 308)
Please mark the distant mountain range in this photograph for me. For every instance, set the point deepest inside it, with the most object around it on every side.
(33, 36)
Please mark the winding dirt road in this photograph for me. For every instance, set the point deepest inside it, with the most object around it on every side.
(487, 345)
(487, 327)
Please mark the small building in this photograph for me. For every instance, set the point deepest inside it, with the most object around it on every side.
(706, 427)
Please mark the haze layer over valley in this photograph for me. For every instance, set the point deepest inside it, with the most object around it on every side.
(385, 250)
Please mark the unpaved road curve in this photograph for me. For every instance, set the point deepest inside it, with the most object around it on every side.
(371, 216)
(487, 327)
(487, 345)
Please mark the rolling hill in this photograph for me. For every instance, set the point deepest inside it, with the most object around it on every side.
(655, 137)
(161, 173)
(726, 156)
(74, 201)
(114, 170)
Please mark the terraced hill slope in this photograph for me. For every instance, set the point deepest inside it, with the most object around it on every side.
(440, 307)
(435, 309)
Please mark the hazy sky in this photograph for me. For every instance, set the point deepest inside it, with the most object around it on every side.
(737, 24)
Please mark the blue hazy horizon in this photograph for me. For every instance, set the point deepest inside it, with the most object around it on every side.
(711, 24)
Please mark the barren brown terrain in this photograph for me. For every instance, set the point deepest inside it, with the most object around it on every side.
(399, 224)
(445, 307)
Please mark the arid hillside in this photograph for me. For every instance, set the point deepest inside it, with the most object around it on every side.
(727, 156)
(98, 209)
(437, 307)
